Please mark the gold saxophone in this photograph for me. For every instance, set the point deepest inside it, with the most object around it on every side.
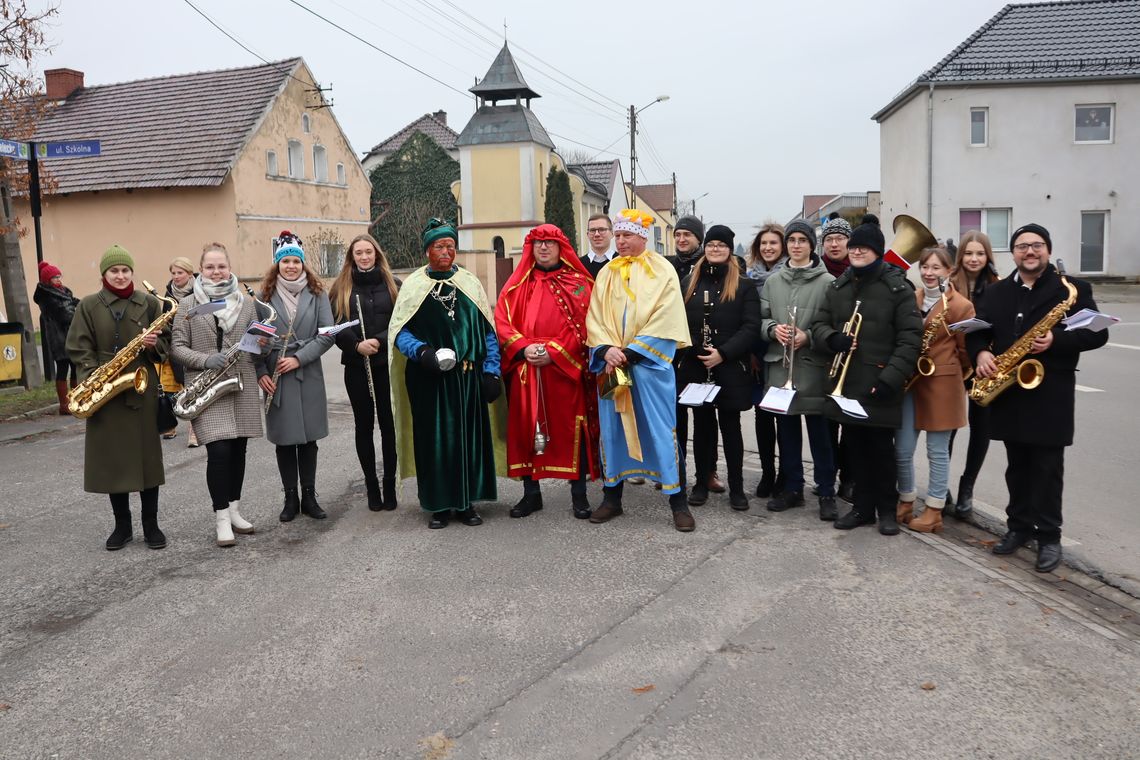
(925, 364)
(112, 378)
(1010, 367)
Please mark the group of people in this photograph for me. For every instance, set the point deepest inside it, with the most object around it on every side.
(574, 373)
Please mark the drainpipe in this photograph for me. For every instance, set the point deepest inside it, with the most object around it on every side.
(930, 154)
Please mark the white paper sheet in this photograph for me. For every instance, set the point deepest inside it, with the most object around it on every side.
(777, 400)
(850, 407)
(970, 325)
(334, 329)
(206, 308)
(249, 344)
(695, 394)
(1089, 319)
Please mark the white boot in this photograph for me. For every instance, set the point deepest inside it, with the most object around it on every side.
(237, 522)
(225, 530)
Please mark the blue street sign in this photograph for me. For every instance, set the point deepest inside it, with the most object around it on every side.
(68, 149)
(13, 149)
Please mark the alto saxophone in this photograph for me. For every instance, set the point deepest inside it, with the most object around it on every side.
(197, 395)
(112, 378)
(925, 364)
(1010, 365)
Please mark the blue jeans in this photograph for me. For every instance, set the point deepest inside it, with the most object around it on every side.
(937, 452)
(789, 431)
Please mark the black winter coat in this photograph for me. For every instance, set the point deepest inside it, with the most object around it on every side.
(888, 345)
(57, 305)
(1042, 416)
(735, 330)
(376, 302)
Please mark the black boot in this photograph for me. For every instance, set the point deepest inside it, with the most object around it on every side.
(154, 537)
(700, 493)
(439, 520)
(786, 500)
(581, 506)
(531, 502)
(390, 494)
(827, 511)
(375, 500)
(888, 520)
(854, 519)
(965, 503)
(292, 505)
(309, 505)
(121, 535)
(767, 481)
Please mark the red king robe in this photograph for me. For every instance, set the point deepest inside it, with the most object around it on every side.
(548, 308)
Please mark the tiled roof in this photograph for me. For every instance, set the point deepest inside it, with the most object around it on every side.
(601, 173)
(657, 197)
(503, 124)
(503, 79)
(593, 187)
(1050, 41)
(443, 135)
(185, 130)
(813, 203)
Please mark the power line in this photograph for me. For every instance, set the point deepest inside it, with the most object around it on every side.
(584, 145)
(245, 47)
(607, 148)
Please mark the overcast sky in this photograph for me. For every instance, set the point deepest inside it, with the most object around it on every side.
(768, 101)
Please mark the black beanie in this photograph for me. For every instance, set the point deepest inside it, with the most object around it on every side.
(869, 235)
(801, 227)
(1032, 227)
(721, 234)
(693, 225)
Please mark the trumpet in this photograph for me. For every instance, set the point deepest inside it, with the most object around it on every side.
(790, 350)
(843, 360)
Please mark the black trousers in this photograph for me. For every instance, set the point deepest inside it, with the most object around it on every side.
(225, 470)
(873, 457)
(705, 422)
(979, 444)
(364, 414)
(121, 503)
(1035, 477)
(298, 461)
(841, 448)
(766, 436)
(532, 487)
(63, 369)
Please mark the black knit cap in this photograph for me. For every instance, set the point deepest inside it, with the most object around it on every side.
(803, 228)
(869, 235)
(1032, 227)
(721, 234)
(693, 225)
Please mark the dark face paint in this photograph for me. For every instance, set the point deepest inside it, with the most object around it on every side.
(441, 255)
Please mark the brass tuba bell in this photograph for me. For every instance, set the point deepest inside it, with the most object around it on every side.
(911, 236)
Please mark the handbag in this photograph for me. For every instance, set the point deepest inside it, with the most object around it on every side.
(165, 418)
(609, 382)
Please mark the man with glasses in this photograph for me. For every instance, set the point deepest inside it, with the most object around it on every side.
(836, 232)
(600, 234)
(1036, 425)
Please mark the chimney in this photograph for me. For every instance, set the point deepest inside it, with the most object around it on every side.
(62, 82)
(439, 115)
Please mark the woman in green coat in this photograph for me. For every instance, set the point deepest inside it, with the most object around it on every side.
(122, 451)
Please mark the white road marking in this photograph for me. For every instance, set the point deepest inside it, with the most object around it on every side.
(1123, 345)
(1087, 389)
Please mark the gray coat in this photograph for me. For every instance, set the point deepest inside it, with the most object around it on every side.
(235, 415)
(806, 288)
(299, 411)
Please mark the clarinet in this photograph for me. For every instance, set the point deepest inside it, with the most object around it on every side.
(706, 331)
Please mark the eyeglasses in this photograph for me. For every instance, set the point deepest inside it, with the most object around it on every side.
(1037, 247)
(597, 230)
(713, 246)
(545, 243)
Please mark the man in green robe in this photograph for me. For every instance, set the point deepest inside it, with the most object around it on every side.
(446, 391)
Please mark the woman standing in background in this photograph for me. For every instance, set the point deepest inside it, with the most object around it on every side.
(766, 256)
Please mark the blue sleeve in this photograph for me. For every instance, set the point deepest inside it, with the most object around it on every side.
(658, 351)
(598, 359)
(408, 344)
(491, 360)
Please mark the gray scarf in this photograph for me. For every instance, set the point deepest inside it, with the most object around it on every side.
(206, 291)
(290, 292)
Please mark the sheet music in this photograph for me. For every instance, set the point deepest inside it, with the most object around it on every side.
(778, 400)
(334, 329)
(1089, 319)
(696, 394)
(206, 308)
(850, 407)
(970, 325)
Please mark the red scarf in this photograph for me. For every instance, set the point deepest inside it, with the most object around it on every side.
(123, 293)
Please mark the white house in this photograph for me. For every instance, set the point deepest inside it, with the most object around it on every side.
(1034, 118)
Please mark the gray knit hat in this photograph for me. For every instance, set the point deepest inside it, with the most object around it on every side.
(802, 227)
(693, 225)
(837, 226)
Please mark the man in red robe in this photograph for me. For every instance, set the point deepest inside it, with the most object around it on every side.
(552, 409)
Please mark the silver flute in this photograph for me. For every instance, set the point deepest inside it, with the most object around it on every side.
(367, 359)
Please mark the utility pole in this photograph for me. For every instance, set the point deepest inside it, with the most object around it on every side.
(633, 156)
(674, 195)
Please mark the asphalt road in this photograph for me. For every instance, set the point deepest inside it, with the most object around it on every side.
(368, 636)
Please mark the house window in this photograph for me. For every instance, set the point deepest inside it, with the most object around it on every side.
(1094, 224)
(992, 221)
(296, 160)
(658, 245)
(341, 179)
(271, 163)
(979, 127)
(305, 123)
(332, 258)
(320, 164)
(1093, 124)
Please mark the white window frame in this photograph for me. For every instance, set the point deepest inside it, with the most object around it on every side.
(985, 111)
(271, 167)
(296, 160)
(320, 163)
(1111, 107)
(983, 225)
(1104, 242)
(306, 125)
(341, 175)
(332, 258)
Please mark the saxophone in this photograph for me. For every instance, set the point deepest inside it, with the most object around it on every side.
(197, 395)
(925, 364)
(1010, 367)
(112, 378)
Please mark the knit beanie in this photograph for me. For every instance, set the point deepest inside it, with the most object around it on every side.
(869, 235)
(116, 255)
(693, 225)
(837, 226)
(47, 271)
(803, 228)
(288, 244)
(722, 234)
(1032, 227)
(437, 229)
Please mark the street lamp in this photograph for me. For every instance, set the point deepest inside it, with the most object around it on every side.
(694, 202)
(633, 112)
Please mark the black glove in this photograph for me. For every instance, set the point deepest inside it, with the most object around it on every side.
(881, 392)
(631, 356)
(840, 343)
(215, 361)
(427, 359)
(492, 387)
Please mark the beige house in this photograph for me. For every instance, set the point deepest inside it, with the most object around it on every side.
(233, 156)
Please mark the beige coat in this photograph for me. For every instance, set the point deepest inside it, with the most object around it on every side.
(235, 415)
(940, 399)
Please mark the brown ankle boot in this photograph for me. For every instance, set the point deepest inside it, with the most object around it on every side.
(61, 394)
(904, 512)
(930, 521)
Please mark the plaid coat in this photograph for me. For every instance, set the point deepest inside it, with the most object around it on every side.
(235, 415)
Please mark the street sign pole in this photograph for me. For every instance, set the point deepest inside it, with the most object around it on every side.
(37, 209)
